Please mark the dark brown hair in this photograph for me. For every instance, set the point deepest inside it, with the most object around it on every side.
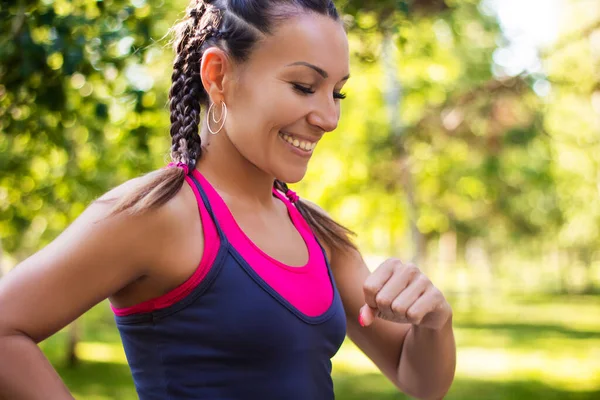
(234, 26)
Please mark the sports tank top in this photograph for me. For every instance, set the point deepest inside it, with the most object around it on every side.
(236, 329)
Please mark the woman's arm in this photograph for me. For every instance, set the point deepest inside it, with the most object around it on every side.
(419, 360)
(416, 352)
(92, 259)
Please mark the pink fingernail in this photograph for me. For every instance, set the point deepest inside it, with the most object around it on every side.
(361, 320)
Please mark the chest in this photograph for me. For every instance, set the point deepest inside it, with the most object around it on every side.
(273, 233)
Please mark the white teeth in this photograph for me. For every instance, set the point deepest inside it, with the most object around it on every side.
(301, 144)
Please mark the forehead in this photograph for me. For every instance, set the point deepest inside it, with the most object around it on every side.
(308, 37)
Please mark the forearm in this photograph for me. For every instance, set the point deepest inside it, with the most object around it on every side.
(25, 373)
(428, 361)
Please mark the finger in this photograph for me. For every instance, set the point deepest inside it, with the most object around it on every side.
(366, 315)
(376, 280)
(425, 304)
(398, 282)
(409, 296)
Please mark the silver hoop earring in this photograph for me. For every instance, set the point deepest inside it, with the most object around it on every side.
(221, 119)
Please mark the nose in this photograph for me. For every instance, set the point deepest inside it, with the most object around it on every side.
(325, 115)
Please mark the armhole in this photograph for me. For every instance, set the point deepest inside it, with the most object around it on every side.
(212, 243)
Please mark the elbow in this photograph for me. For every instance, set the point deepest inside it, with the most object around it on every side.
(425, 389)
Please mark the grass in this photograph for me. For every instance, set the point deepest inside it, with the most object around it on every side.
(528, 348)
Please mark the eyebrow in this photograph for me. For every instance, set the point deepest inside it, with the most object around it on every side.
(320, 71)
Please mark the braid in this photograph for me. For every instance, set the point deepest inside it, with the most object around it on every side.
(187, 93)
(281, 186)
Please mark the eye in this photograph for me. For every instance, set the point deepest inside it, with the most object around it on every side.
(307, 90)
(302, 89)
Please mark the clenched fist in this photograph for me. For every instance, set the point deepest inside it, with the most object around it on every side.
(402, 293)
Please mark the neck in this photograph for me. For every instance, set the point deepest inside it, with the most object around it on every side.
(232, 174)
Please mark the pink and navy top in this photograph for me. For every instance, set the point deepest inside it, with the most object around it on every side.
(244, 325)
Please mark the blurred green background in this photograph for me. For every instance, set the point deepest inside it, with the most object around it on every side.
(469, 142)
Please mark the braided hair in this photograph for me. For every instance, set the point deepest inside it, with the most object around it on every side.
(187, 93)
(235, 26)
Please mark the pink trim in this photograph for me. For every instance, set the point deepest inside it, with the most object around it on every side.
(242, 242)
(211, 248)
(309, 289)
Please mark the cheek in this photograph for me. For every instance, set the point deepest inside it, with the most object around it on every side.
(267, 108)
(286, 108)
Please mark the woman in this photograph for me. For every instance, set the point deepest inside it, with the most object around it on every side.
(224, 283)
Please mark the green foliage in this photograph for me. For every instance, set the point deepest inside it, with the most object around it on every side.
(435, 137)
(79, 109)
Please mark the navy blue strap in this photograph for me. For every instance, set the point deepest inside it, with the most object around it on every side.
(208, 207)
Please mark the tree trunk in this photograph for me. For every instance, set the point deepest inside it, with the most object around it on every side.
(446, 253)
(393, 98)
(447, 249)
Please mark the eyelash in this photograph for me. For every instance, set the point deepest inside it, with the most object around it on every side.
(305, 90)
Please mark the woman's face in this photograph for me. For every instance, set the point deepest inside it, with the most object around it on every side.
(289, 91)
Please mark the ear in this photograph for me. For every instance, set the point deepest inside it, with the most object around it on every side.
(214, 69)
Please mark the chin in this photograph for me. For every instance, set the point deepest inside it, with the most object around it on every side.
(291, 175)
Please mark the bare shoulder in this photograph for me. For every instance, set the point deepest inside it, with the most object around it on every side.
(174, 244)
(95, 257)
(164, 220)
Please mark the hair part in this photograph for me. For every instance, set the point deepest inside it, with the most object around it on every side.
(235, 26)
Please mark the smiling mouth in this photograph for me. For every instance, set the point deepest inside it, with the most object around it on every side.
(298, 143)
